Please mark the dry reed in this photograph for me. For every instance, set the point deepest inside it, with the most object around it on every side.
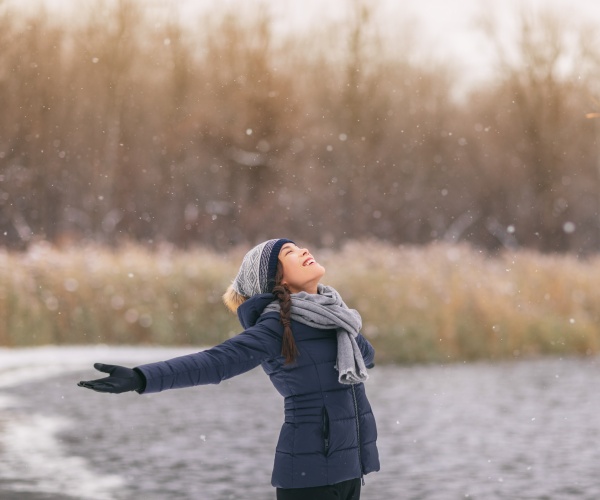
(419, 304)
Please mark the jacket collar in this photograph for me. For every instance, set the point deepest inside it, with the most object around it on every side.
(249, 312)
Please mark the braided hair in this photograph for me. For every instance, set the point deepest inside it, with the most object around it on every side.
(289, 350)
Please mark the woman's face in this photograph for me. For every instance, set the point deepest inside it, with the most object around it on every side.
(301, 272)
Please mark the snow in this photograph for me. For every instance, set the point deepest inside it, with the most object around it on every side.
(33, 457)
(36, 456)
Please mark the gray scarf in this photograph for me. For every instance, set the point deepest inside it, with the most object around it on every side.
(326, 310)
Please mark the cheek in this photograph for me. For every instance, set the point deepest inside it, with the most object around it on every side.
(288, 270)
(294, 273)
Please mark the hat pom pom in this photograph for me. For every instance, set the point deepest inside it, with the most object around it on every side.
(233, 299)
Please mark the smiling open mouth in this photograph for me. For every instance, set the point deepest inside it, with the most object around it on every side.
(309, 262)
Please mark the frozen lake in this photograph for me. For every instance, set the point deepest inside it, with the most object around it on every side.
(519, 430)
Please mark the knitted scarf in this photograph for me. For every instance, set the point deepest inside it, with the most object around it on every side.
(326, 310)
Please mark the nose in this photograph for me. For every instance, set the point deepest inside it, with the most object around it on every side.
(304, 251)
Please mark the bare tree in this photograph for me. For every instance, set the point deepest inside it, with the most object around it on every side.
(125, 126)
(533, 111)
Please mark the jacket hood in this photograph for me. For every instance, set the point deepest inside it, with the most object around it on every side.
(249, 312)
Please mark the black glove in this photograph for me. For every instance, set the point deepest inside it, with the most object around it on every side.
(120, 380)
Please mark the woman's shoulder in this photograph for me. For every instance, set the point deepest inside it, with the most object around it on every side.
(251, 311)
(269, 321)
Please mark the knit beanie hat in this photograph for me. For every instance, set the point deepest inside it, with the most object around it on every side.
(257, 273)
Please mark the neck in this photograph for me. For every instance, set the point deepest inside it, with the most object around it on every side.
(312, 289)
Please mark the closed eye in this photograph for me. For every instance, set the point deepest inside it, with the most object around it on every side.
(287, 249)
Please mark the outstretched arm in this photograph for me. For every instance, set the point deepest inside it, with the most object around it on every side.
(228, 359)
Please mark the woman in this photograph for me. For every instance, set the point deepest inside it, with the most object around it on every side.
(308, 342)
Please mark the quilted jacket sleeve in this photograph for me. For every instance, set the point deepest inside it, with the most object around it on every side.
(366, 350)
(228, 359)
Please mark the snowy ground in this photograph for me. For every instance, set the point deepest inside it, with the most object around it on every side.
(523, 430)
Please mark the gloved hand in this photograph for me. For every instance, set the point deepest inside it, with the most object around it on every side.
(120, 380)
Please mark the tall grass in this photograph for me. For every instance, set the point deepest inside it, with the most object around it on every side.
(419, 304)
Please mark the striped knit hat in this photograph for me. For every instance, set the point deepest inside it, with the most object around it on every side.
(258, 269)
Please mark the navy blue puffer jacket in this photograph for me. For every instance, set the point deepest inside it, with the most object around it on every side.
(329, 431)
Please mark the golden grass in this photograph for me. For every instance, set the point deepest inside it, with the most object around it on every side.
(419, 304)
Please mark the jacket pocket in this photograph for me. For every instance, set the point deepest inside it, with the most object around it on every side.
(326, 429)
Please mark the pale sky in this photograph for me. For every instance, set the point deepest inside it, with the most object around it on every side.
(446, 28)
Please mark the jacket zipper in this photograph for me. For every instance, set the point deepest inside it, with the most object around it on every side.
(326, 429)
(362, 477)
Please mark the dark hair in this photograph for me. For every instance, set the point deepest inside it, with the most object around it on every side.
(282, 293)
